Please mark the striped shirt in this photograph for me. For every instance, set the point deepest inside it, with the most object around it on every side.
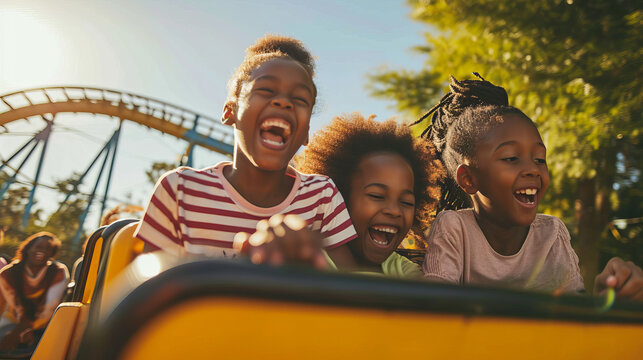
(199, 211)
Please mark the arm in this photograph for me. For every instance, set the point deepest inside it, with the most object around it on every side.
(11, 340)
(624, 277)
(52, 299)
(444, 255)
(9, 295)
(337, 230)
(159, 228)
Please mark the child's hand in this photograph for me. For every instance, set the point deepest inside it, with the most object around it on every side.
(282, 239)
(624, 277)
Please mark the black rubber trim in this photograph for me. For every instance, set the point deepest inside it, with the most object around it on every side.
(79, 288)
(205, 278)
(108, 236)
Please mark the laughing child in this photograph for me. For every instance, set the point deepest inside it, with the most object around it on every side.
(270, 101)
(496, 163)
(388, 179)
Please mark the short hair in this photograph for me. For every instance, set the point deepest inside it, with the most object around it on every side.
(267, 48)
(21, 253)
(336, 151)
(462, 117)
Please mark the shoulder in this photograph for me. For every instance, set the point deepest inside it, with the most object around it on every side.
(450, 219)
(310, 178)
(7, 269)
(60, 267)
(407, 267)
(550, 226)
(309, 182)
(183, 174)
(61, 271)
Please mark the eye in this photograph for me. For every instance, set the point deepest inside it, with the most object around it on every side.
(375, 196)
(301, 100)
(510, 159)
(408, 203)
(540, 161)
(265, 90)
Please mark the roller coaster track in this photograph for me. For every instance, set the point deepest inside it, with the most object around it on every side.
(166, 118)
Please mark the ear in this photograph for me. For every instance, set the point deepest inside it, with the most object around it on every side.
(466, 179)
(229, 113)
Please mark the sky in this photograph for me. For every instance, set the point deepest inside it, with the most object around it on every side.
(183, 53)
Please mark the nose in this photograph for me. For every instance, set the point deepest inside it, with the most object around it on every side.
(531, 169)
(282, 102)
(392, 208)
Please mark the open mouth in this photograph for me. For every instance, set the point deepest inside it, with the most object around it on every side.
(382, 235)
(526, 196)
(39, 256)
(275, 131)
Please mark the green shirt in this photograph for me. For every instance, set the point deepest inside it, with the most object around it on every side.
(395, 265)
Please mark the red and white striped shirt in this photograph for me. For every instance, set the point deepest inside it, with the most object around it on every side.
(199, 211)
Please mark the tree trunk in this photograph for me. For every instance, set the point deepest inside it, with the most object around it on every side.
(591, 214)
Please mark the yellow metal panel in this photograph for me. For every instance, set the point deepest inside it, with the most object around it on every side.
(255, 329)
(124, 248)
(90, 281)
(54, 343)
(79, 331)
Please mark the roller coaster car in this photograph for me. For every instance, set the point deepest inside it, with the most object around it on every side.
(160, 307)
(62, 337)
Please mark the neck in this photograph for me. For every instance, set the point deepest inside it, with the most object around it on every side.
(35, 268)
(260, 187)
(506, 239)
(360, 263)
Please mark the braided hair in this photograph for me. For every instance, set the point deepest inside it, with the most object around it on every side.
(458, 121)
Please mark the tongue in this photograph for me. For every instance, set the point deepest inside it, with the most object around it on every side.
(524, 198)
(272, 136)
(379, 236)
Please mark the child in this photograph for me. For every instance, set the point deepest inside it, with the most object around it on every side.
(388, 179)
(270, 101)
(32, 286)
(495, 159)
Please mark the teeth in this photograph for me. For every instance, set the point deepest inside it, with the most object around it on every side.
(280, 123)
(380, 242)
(530, 191)
(273, 142)
(386, 229)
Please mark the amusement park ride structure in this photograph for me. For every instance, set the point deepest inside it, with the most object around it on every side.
(46, 103)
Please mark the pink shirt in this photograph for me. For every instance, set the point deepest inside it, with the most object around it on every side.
(459, 253)
(199, 211)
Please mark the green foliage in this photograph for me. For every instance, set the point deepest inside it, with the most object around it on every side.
(573, 66)
(12, 206)
(63, 223)
(158, 169)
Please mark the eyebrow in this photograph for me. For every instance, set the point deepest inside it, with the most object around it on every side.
(512, 142)
(274, 78)
(385, 187)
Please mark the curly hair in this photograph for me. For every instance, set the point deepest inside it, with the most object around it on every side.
(267, 48)
(336, 151)
(462, 117)
(21, 253)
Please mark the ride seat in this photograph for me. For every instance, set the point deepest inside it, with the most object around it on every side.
(123, 250)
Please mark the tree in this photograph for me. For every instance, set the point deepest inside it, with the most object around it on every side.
(157, 169)
(574, 67)
(12, 207)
